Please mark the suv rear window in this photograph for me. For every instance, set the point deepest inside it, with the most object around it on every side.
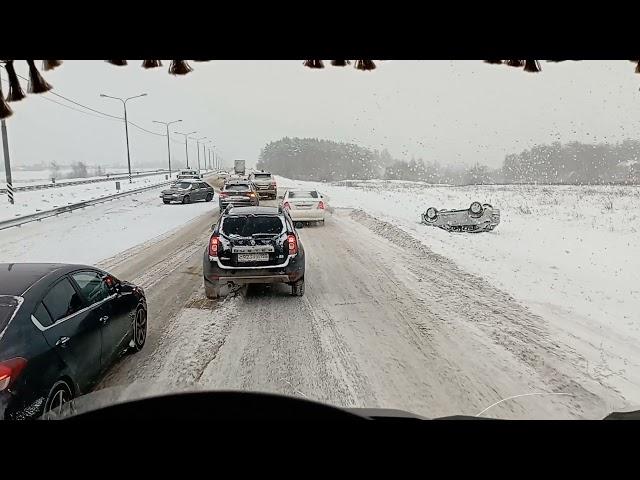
(251, 225)
(8, 306)
(262, 176)
(237, 187)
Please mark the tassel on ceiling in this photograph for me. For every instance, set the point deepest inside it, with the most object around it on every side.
(50, 64)
(365, 65)
(37, 83)
(15, 89)
(147, 64)
(313, 64)
(117, 63)
(179, 67)
(515, 63)
(5, 109)
(532, 66)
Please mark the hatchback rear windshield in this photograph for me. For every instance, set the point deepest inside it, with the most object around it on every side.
(252, 225)
(305, 194)
(238, 187)
(183, 185)
(8, 306)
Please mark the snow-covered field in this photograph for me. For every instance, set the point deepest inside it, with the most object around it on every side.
(27, 202)
(569, 253)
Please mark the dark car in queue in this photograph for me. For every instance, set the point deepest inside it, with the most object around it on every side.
(239, 193)
(61, 327)
(254, 245)
(187, 191)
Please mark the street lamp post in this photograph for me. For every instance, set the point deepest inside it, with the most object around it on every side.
(186, 147)
(166, 124)
(126, 123)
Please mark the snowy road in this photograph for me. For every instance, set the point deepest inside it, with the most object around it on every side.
(384, 323)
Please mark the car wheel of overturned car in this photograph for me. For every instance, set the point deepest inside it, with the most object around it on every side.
(59, 394)
(186, 199)
(476, 209)
(211, 291)
(297, 288)
(209, 197)
(430, 215)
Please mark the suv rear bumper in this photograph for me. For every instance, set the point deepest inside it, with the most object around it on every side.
(288, 273)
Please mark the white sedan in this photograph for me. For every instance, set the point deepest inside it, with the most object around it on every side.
(305, 205)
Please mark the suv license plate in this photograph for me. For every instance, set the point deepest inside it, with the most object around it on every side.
(253, 257)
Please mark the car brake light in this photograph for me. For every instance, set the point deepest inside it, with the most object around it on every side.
(321, 205)
(9, 371)
(213, 246)
(286, 205)
(293, 244)
(252, 194)
(223, 194)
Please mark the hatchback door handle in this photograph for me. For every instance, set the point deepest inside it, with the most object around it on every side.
(62, 341)
(104, 319)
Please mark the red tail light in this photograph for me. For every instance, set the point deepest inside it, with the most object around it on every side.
(273, 184)
(321, 205)
(214, 244)
(9, 371)
(223, 194)
(293, 244)
(286, 205)
(252, 194)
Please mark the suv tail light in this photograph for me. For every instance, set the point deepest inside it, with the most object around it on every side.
(321, 205)
(223, 194)
(252, 194)
(293, 244)
(273, 184)
(286, 205)
(9, 371)
(214, 244)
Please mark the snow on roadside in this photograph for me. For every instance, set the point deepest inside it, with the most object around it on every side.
(27, 202)
(98, 232)
(570, 253)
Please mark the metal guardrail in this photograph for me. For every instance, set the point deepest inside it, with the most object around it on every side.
(35, 217)
(118, 177)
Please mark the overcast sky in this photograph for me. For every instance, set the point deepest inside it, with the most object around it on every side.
(450, 111)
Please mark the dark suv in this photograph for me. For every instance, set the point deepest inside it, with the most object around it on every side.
(239, 193)
(253, 245)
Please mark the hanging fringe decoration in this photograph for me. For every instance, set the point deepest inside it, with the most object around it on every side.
(117, 63)
(50, 64)
(313, 64)
(494, 62)
(5, 109)
(365, 65)
(340, 63)
(179, 67)
(515, 63)
(15, 90)
(151, 64)
(638, 67)
(532, 66)
(37, 83)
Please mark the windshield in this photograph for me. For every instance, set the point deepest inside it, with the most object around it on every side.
(432, 236)
(303, 194)
(251, 225)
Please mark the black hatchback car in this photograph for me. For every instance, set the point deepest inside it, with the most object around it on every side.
(254, 245)
(61, 327)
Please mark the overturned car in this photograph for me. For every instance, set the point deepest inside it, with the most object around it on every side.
(477, 218)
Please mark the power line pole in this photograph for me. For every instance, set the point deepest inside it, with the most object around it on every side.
(186, 147)
(7, 161)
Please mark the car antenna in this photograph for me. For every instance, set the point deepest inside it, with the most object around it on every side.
(522, 395)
